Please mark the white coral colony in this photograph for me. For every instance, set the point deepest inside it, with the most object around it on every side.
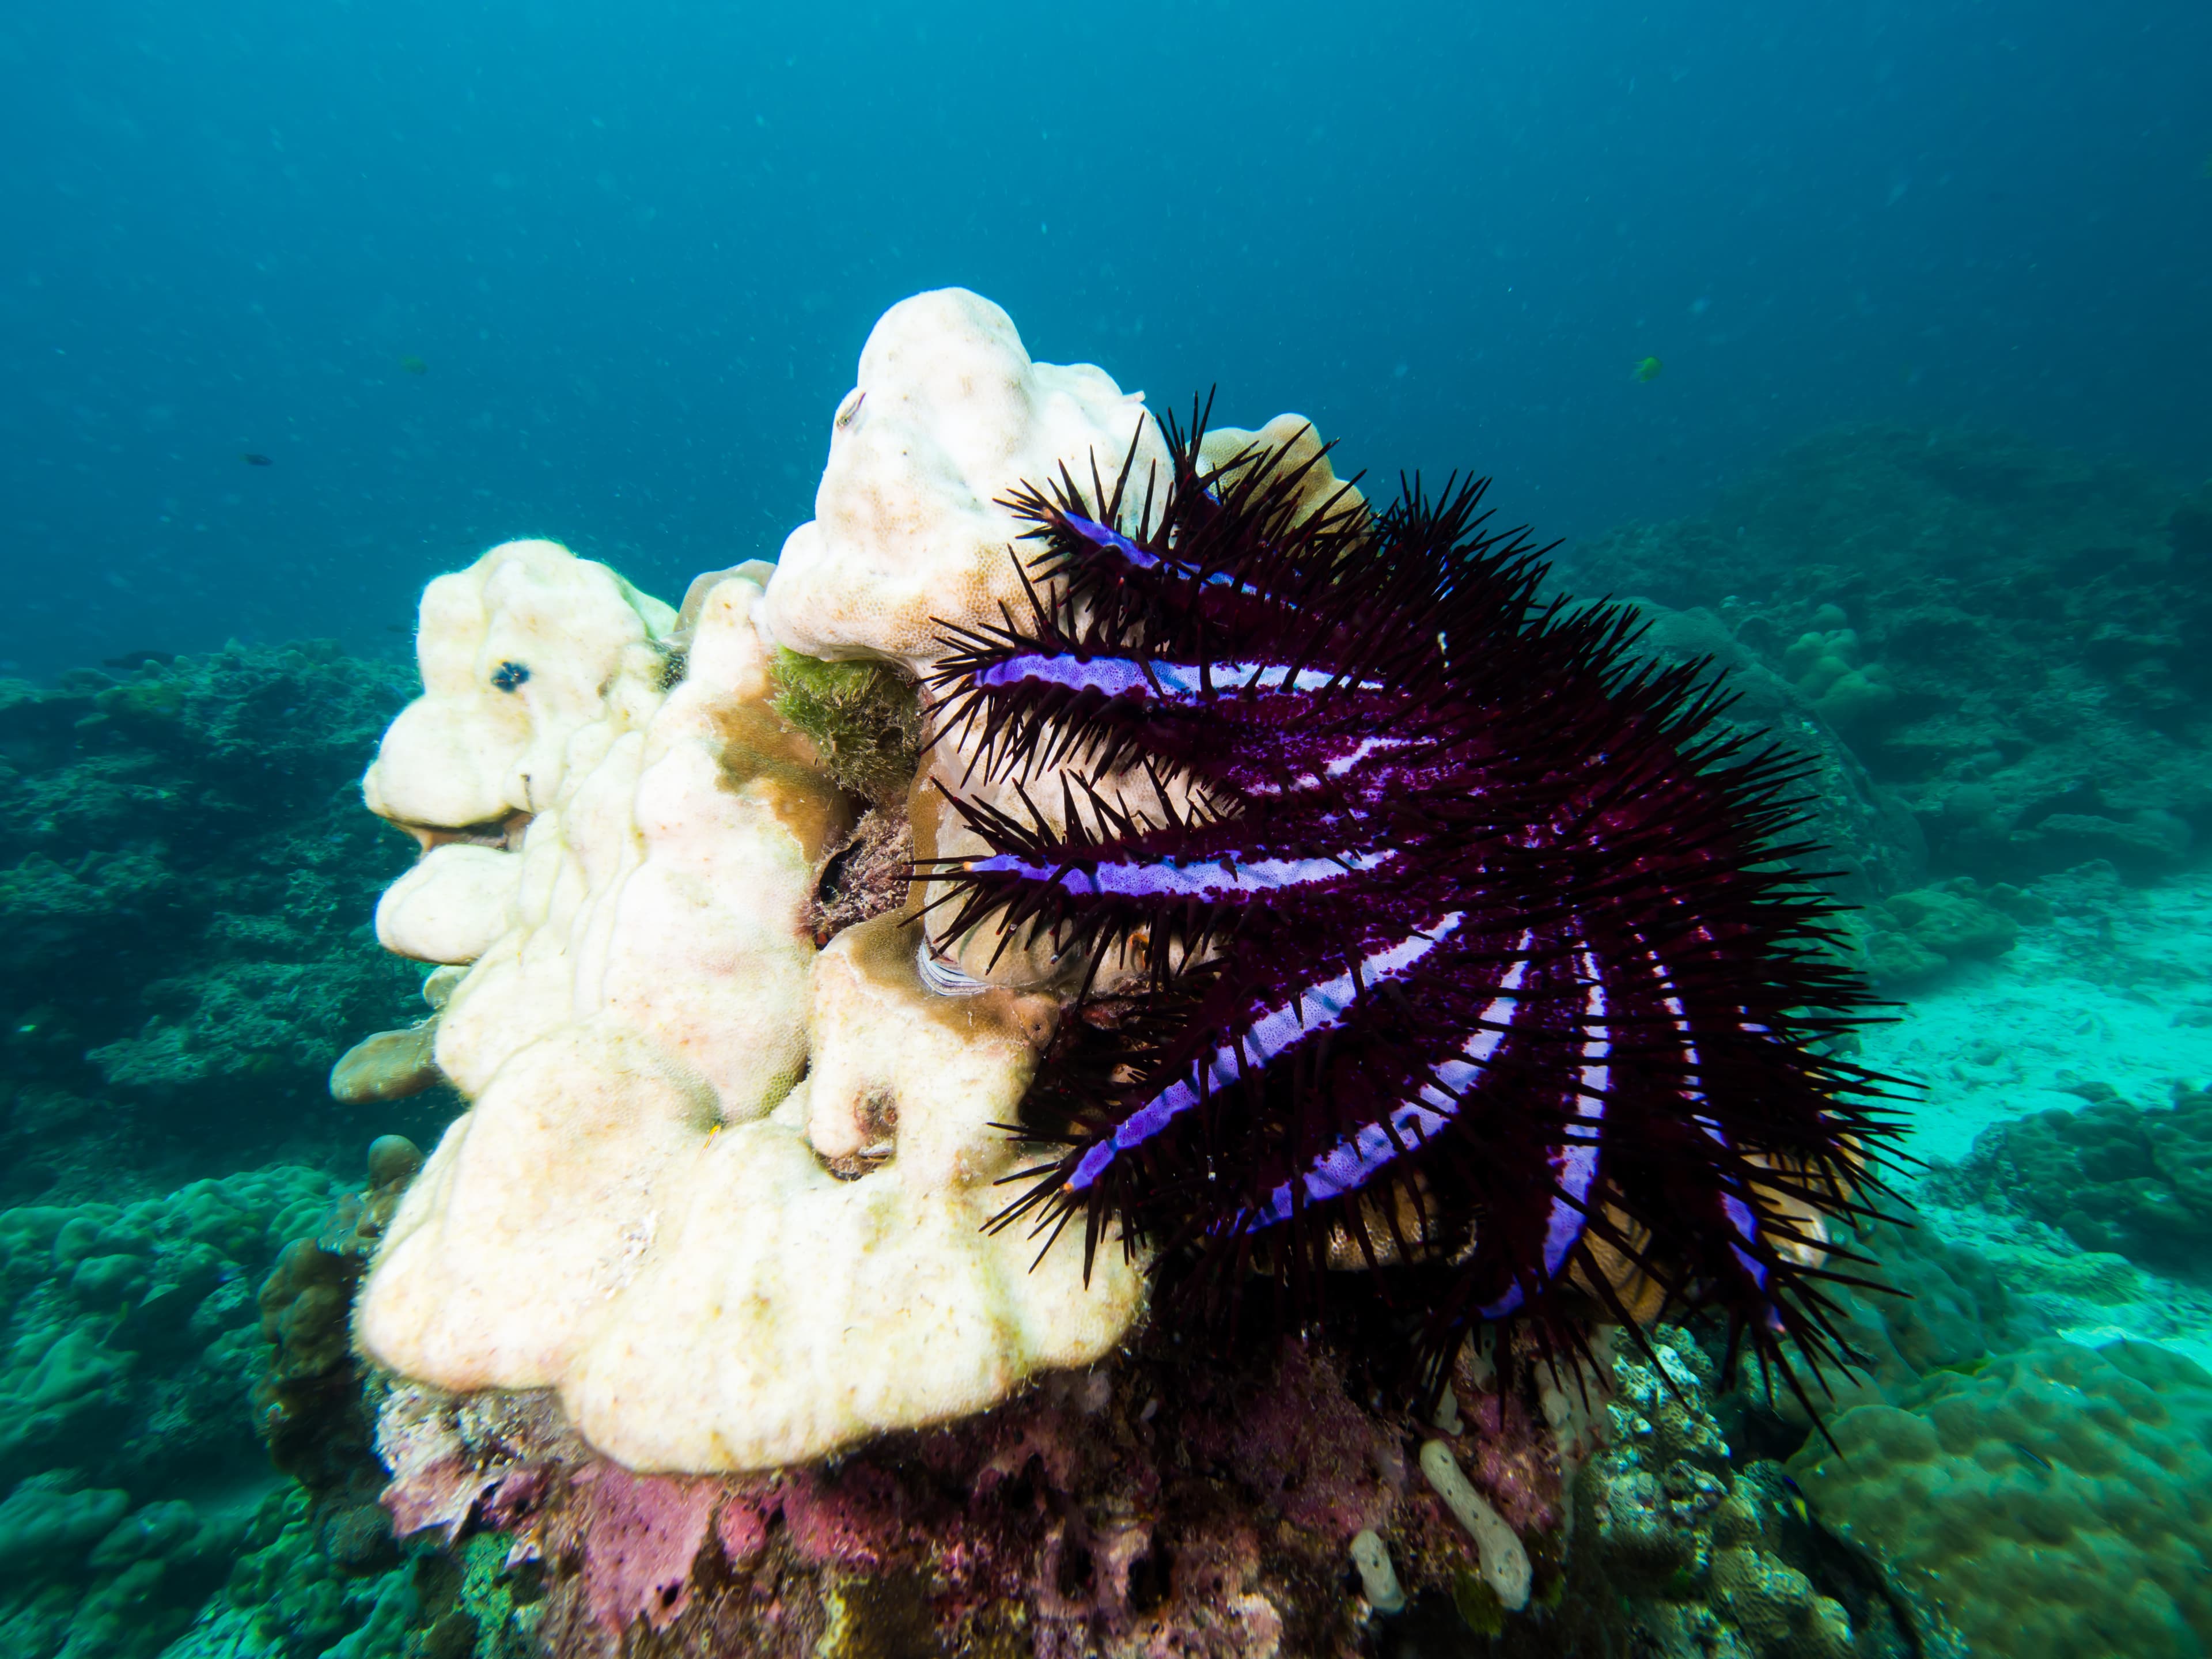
(723, 1192)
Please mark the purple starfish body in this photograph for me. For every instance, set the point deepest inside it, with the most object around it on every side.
(1459, 941)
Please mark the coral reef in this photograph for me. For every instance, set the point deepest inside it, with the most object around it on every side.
(2049, 1506)
(1869, 844)
(2016, 639)
(184, 879)
(2107, 983)
(2115, 1177)
(127, 1431)
(1159, 1503)
(702, 1338)
(1949, 1310)
(1915, 935)
(715, 1087)
(730, 1184)
(1685, 1544)
(309, 1400)
(318, 1568)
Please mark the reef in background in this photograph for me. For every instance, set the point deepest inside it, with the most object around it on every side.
(130, 1349)
(2016, 639)
(186, 884)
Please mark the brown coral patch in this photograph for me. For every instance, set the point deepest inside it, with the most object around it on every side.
(864, 876)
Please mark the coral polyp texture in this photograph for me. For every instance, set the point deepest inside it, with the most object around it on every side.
(1418, 929)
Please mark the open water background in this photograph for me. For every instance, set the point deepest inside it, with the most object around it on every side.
(636, 248)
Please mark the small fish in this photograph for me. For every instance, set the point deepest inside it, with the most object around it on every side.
(252, 459)
(413, 365)
(1647, 370)
(2039, 1462)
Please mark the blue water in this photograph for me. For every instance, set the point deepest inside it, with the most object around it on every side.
(637, 250)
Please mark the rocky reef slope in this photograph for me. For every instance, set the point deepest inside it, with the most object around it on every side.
(186, 883)
(2016, 641)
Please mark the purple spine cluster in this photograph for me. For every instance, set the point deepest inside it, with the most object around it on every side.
(1446, 940)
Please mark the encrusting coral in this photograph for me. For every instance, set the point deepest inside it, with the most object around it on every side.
(129, 1346)
(2049, 1506)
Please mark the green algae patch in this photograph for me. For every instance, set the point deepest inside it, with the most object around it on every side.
(1479, 1609)
(863, 717)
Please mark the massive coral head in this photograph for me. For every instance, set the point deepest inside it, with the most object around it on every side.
(1424, 932)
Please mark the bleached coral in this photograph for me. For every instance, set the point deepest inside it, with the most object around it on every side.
(724, 1193)
(908, 531)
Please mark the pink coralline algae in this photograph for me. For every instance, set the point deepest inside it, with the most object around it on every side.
(1507, 1455)
(645, 1532)
(1320, 1461)
(1158, 1506)
(853, 1519)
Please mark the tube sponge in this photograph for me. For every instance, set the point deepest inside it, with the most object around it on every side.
(1378, 1579)
(1505, 1565)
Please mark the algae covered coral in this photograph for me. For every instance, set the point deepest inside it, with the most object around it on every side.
(864, 718)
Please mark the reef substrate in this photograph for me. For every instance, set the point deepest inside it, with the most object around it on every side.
(185, 880)
(2016, 641)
